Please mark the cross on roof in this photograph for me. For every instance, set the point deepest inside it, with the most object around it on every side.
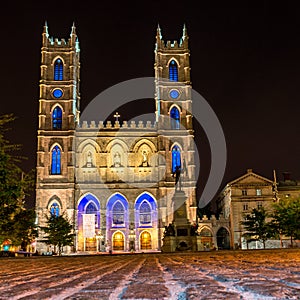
(117, 116)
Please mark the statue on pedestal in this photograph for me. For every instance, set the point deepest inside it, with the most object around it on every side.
(177, 176)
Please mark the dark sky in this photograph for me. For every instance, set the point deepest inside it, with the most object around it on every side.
(245, 61)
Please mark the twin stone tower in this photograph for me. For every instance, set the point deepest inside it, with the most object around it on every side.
(116, 181)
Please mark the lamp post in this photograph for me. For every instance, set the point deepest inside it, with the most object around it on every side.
(99, 238)
(131, 238)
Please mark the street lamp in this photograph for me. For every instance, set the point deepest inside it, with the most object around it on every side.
(99, 238)
(131, 238)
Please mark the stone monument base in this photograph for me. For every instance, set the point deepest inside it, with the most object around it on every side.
(181, 243)
(180, 234)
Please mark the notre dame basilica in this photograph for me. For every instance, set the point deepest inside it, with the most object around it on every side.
(114, 181)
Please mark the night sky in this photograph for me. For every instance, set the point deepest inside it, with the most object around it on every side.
(245, 61)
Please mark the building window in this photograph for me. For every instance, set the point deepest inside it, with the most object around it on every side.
(175, 118)
(58, 69)
(258, 192)
(176, 159)
(92, 209)
(145, 213)
(245, 206)
(56, 161)
(244, 192)
(118, 213)
(173, 71)
(259, 205)
(54, 209)
(57, 118)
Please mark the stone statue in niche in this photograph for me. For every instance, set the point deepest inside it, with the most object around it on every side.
(145, 162)
(89, 160)
(117, 160)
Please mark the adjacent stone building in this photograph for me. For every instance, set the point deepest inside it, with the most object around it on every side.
(239, 197)
(288, 187)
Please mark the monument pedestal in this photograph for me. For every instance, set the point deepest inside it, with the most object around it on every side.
(180, 234)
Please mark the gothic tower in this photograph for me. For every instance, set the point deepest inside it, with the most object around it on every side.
(58, 116)
(174, 118)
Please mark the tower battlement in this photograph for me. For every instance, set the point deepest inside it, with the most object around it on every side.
(72, 41)
(173, 45)
(167, 45)
(117, 125)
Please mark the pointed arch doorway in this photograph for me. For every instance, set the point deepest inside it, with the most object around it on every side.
(118, 241)
(145, 241)
(223, 240)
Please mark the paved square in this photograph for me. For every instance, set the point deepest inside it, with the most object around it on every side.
(256, 274)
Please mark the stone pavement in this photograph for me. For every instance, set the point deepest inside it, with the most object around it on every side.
(255, 274)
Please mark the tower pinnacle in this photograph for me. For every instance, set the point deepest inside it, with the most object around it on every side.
(184, 31)
(158, 34)
(184, 38)
(45, 30)
(73, 29)
(45, 34)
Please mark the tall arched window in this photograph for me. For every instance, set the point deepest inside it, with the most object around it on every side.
(118, 213)
(56, 161)
(54, 209)
(92, 209)
(175, 118)
(173, 71)
(145, 213)
(176, 158)
(57, 118)
(58, 69)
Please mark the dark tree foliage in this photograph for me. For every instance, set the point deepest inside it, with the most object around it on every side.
(256, 227)
(16, 223)
(59, 232)
(286, 218)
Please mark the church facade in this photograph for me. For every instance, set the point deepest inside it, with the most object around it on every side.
(115, 181)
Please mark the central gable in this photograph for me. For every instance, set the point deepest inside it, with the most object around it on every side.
(251, 178)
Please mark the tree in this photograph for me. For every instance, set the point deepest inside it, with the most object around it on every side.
(59, 232)
(14, 187)
(286, 218)
(24, 229)
(256, 227)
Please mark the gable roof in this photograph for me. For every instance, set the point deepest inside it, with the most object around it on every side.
(250, 178)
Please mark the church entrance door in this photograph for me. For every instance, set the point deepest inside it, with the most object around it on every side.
(145, 240)
(118, 241)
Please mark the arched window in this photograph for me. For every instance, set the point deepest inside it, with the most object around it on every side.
(57, 118)
(58, 69)
(173, 71)
(176, 159)
(118, 213)
(145, 213)
(175, 118)
(92, 209)
(54, 209)
(56, 161)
